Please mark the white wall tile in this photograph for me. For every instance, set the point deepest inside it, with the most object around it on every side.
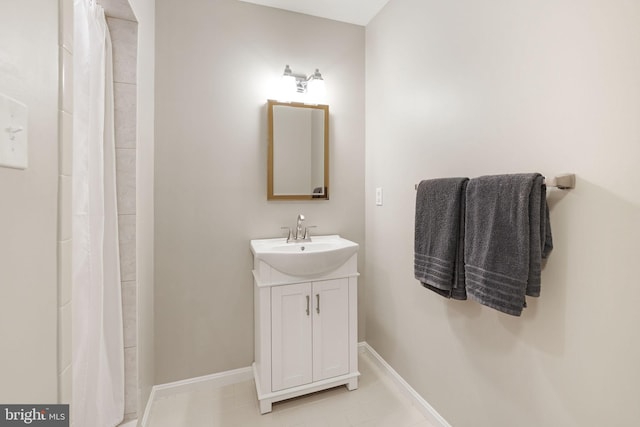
(64, 272)
(64, 386)
(133, 416)
(127, 235)
(66, 80)
(130, 380)
(126, 180)
(118, 9)
(65, 155)
(66, 143)
(64, 208)
(64, 338)
(66, 24)
(124, 37)
(129, 291)
(125, 114)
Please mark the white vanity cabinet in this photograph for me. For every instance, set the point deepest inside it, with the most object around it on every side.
(305, 332)
(310, 332)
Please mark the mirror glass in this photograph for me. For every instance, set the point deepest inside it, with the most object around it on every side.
(298, 164)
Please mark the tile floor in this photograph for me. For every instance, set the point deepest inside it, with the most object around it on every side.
(377, 402)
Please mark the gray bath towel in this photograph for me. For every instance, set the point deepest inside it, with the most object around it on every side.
(507, 235)
(439, 236)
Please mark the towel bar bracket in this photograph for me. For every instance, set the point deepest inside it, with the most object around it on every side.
(565, 181)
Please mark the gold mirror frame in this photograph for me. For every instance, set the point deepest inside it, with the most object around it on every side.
(270, 166)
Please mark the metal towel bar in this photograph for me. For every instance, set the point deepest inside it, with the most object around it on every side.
(565, 181)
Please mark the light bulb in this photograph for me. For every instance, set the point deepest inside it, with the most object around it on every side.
(316, 90)
(287, 84)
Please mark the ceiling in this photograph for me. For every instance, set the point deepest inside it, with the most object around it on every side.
(358, 12)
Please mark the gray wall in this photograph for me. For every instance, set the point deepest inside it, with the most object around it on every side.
(29, 205)
(217, 63)
(497, 87)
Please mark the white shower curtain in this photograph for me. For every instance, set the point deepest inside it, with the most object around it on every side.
(97, 335)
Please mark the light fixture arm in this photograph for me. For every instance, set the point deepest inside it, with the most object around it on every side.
(302, 80)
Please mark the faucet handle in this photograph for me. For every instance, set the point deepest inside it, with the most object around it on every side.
(290, 234)
(306, 232)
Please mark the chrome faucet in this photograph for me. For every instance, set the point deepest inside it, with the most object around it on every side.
(301, 234)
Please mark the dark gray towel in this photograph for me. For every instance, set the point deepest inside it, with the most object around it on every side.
(507, 235)
(439, 236)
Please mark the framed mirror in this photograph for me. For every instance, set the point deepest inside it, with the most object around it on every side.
(298, 159)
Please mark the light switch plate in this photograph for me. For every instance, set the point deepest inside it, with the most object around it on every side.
(13, 133)
(379, 196)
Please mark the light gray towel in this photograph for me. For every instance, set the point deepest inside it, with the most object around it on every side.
(507, 235)
(439, 236)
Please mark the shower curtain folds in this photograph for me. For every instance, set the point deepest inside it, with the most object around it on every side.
(97, 333)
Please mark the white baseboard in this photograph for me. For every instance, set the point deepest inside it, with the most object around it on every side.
(418, 401)
(244, 374)
(216, 380)
(193, 384)
(147, 409)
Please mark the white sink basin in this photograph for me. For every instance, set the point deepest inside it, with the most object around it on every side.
(321, 255)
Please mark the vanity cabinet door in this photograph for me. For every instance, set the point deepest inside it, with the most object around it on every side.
(330, 328)
(291, 329)
(310, 332)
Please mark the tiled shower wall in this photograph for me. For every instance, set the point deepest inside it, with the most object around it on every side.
(124, 37)
(124, 29)
(65, 140)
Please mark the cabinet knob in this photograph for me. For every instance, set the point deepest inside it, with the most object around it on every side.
(318, 303)
(307, 305)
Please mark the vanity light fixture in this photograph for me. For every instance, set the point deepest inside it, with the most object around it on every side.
(315, 86)
(312, 85)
